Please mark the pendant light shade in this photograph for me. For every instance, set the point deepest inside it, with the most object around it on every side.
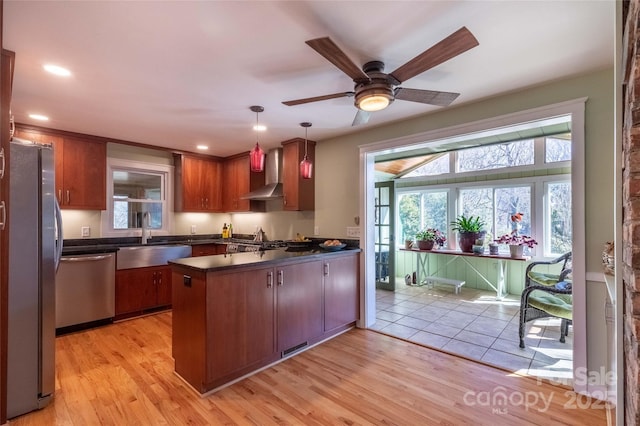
(256, 159)
(306, 166)
(256, 156)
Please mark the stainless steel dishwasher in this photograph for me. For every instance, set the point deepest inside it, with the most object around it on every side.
(85, 289)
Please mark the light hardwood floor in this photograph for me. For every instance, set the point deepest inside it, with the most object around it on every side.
(122, 374)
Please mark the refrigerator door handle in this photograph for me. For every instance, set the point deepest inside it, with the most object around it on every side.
(59, 238)
(3, 162)
(3, 221)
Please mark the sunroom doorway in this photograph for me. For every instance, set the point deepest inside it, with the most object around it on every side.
(476, 192)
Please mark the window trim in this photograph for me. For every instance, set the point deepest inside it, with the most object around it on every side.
(142, 167)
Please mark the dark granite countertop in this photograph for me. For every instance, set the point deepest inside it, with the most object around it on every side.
(109, 245)
(222, 262)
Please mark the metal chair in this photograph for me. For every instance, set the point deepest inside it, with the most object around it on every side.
(547, 295)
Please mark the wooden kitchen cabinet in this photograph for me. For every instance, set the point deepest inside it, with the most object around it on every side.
(141, 289)
(299, 302)
(208, 249)
(298, 193)
(81, 168)
(230, 322)
(198, 184)
(238, 181)
(341, 290)
(237, 310)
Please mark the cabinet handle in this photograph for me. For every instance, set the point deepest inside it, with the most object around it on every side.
(326, 269)
(269, 279)
(2, 163)
(280, 277)
(159, 278)
(284, 200)
(155, 282)
(206, 203)
(12, 128)
(68, 196)
(59, 195)
(4, 215)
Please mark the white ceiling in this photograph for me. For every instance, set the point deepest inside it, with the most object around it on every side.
(181, 73)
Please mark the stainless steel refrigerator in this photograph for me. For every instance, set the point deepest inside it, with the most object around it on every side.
(35, 245)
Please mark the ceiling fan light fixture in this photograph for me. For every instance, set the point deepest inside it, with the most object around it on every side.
(374, 98)
(256, 156)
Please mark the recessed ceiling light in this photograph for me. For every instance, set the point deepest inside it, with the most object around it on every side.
(55, 69)
(259, 128)
(202, 147)
(39, 117)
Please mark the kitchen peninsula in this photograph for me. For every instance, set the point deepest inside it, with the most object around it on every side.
(236, 313)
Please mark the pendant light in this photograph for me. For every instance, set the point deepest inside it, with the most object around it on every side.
(256, 156)
(306, 166)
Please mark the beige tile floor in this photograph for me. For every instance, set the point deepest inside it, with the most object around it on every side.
(475, 325)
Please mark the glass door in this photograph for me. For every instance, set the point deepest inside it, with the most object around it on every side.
(384, 230)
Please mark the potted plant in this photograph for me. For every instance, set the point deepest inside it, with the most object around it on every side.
(515, 240)
(469, 230)
(428, 238)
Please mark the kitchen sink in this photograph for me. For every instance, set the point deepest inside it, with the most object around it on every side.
(142, 256)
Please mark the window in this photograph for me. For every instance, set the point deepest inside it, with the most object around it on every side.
(495, 206)
(494, 182)
(438, 166)
(557, 149)
(558, 217)
(510, 154)
(137, 192)
(134, 194)
(422, 210)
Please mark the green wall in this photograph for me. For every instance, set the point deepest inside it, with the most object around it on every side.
(338, 181)
(337, 160)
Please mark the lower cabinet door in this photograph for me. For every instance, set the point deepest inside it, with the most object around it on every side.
(341, 293)
(142, 288)
(163, 286)
(299, 293)
(240, 320)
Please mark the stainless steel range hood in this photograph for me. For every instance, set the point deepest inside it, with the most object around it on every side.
(273, 178)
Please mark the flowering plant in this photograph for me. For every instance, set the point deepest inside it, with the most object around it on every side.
(431, 234)
(514, 238)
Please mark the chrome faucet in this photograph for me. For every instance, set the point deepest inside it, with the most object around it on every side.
(259, 237)
(146, 227)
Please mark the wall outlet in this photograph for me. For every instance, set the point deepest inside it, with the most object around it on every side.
(85, 231)
(316, 230)
(193, 229)
(353, 231)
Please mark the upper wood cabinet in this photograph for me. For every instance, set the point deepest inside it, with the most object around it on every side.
(298, 193)
(81, 168)
(238, 181)
(198, 184)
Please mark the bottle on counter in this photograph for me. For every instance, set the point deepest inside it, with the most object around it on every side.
(225, 231)
(230, 231)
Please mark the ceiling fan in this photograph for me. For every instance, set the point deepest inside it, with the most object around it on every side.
(375, 90)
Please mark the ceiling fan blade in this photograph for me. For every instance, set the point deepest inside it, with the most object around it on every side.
(362, 117)
(457, 43)
(318, 98)
(327, 48)
(431, 97)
